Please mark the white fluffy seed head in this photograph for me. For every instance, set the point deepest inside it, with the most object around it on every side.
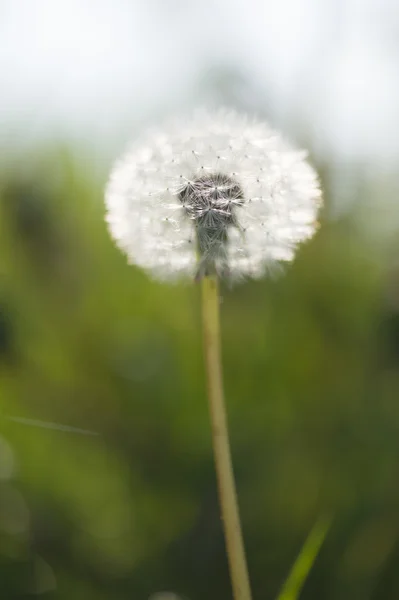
(218, 193)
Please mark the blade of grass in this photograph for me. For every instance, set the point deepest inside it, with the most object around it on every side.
(49, 425)
(305, 560)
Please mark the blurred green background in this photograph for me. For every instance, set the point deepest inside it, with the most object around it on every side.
(128, 507)
(107, 484)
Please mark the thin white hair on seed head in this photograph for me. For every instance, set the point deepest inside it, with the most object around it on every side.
(221, 193)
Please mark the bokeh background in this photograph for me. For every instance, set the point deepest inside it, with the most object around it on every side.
(107, 486)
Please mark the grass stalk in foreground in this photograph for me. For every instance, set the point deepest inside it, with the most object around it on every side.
(220, 437)
(305, 560)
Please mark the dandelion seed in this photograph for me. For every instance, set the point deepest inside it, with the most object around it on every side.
(232, 184)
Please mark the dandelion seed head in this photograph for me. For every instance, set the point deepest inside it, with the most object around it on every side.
(220, 193)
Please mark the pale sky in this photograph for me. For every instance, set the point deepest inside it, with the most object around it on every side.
(97, 69)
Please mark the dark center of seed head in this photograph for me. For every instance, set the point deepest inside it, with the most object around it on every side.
(210, 200)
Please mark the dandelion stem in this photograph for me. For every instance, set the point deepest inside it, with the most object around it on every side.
(220, 437)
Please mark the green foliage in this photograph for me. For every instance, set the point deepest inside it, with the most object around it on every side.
(305, 560)
(312, 380)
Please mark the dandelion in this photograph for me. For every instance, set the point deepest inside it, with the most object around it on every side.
(220, 196)
(222, 188)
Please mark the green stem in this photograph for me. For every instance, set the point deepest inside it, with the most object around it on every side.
(220, 437)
